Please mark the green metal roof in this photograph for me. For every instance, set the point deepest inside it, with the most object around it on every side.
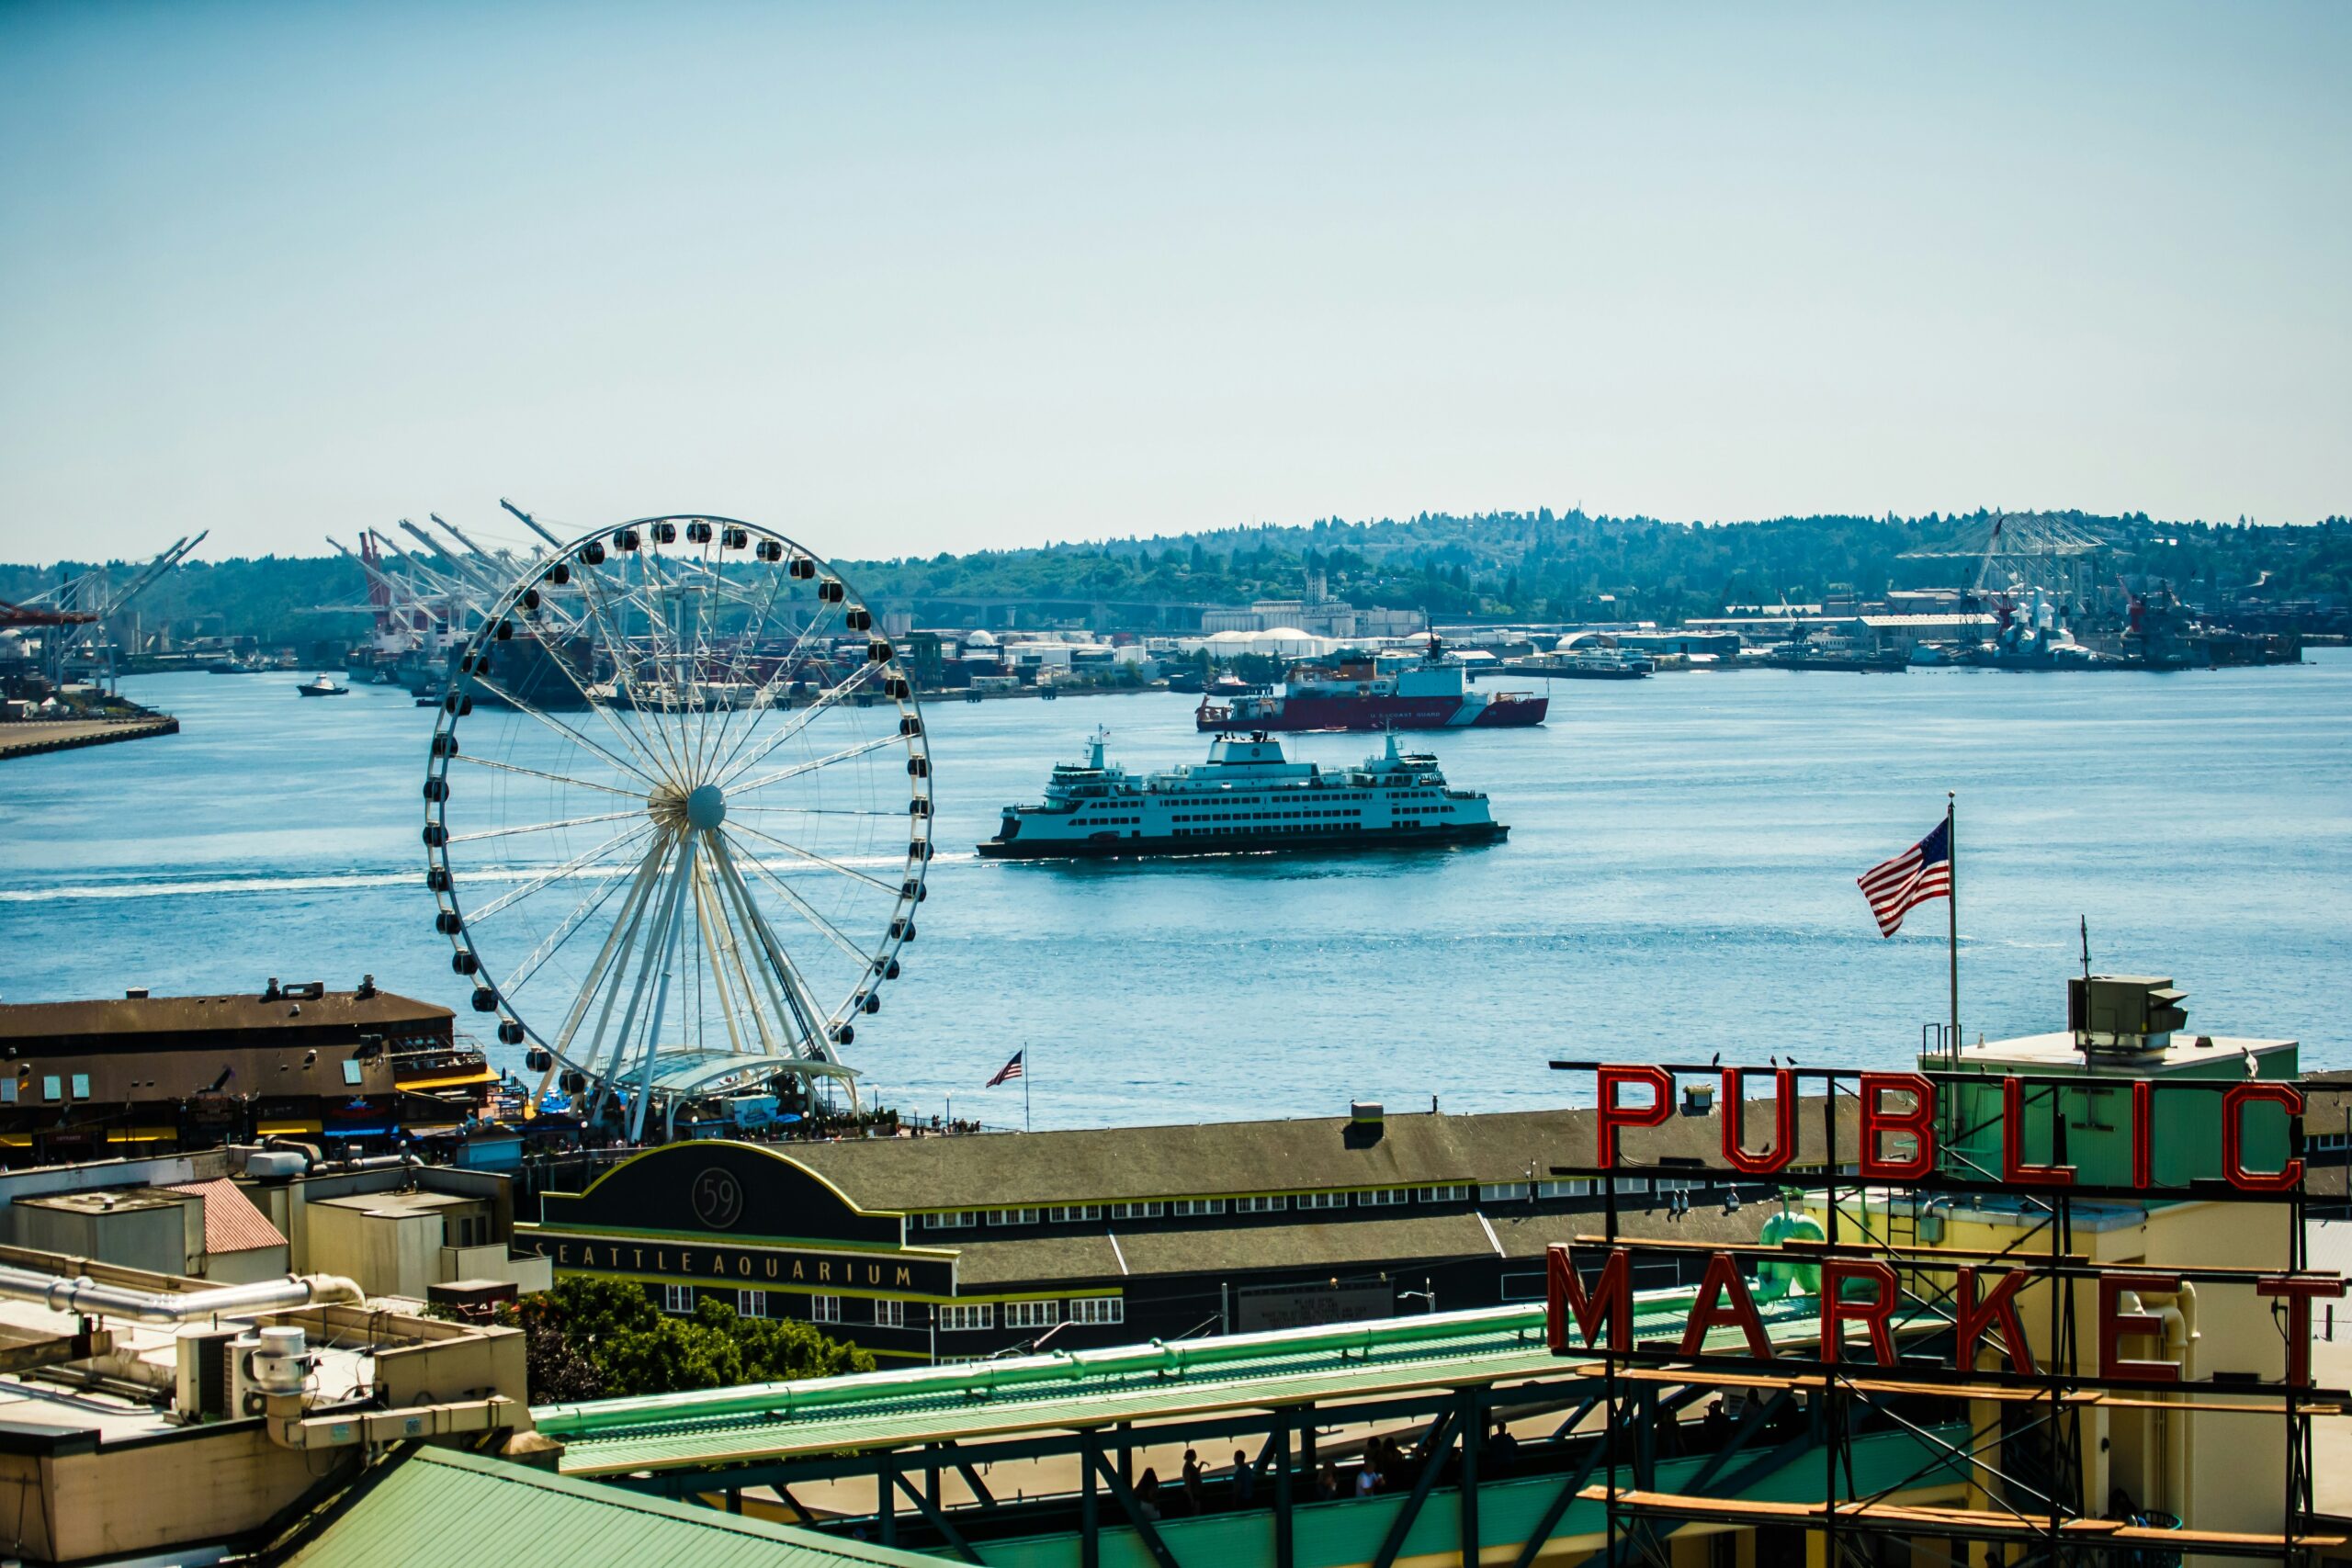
(938, 1404)
(459, 1511)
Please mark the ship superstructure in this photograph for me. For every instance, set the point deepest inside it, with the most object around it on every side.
(1248, 795)
(1431, 692)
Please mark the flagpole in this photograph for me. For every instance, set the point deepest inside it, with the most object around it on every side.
(1952, 913)
(1027, 1072)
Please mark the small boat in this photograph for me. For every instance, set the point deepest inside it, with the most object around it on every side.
(322, 686)
(429, 695)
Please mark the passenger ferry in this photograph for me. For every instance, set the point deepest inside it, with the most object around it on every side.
(1248, 795)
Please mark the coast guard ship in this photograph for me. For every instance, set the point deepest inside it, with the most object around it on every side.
(1248, 795)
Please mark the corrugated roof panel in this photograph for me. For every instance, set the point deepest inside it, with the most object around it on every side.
(459, 1511)
(231, 1222)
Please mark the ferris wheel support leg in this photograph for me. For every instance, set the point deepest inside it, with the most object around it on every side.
(673, 934)
(617, 944)
(657, 940)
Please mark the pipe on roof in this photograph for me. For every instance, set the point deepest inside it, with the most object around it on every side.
(87, 1297)
(980, 1379)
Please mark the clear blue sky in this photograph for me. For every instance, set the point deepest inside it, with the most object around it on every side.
(910, 280)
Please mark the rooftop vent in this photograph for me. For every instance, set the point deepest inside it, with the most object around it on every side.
(2123, 1014)
(1366, 1112)
(135, 994)
(1698, 1099)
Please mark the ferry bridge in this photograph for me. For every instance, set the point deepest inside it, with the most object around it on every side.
(1047, 1460)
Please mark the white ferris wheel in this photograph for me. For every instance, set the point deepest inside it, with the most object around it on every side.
(677, 815)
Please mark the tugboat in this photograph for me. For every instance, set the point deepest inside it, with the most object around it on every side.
(428, 695)
(1248, 796)
(1433, 694)
(324, 687)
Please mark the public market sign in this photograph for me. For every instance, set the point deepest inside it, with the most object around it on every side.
(1589, 1284)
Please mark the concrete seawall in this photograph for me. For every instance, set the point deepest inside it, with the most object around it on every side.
(31, 738)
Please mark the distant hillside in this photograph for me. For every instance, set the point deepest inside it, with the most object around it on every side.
(1517, 564)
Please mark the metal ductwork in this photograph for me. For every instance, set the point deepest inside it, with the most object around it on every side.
(87, 1297)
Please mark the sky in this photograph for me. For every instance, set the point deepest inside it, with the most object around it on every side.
(903, 279)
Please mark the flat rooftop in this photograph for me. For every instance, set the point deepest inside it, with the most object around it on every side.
(2058, 1052)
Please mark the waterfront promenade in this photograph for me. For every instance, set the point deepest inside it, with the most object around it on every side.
(33, 737)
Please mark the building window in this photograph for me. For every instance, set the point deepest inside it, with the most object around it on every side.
(960, 1220)
(959, 1319)
(890, 1315)
(1578, 1187)
(1503, 1192)
(1032, 1314)
(1384, 1198)
(824, 1308)
(51, 1086)
(754, 1303)
(1322, 1200)
(678, 1298)
(1458, 1193)
(1012, 1216)
(1073, 1213)
(1187, 1208)
(1136, 1210)
(1098, 1309)
(1260, 1205)
(80, 1086)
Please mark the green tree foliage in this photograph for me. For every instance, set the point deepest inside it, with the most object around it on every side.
(590, 1338)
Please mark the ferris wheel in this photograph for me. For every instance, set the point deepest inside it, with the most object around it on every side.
(677, 814)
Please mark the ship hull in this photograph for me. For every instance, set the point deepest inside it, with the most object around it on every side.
(1374, 714)
(1109, 848)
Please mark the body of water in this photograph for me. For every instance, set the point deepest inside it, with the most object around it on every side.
(1679, 881)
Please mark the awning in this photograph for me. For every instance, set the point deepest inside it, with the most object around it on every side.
(284, 1129)
(141, 1134)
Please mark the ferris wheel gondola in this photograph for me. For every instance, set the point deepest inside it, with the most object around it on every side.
(677, 815)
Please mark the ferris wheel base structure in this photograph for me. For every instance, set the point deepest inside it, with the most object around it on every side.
(683, 857)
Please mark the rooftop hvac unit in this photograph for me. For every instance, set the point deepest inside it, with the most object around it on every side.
(2125, 1014)
(205, 1374)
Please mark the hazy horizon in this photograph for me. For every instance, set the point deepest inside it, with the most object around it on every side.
(897, 281)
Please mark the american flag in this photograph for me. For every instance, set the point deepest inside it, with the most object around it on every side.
(1008, 1072)
(1918, 873)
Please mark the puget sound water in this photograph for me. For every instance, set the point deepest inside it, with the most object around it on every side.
(1679, 881)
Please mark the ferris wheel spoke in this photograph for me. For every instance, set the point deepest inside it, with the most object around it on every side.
(749, 648)
(815, 859)
(539, 773)
(479, 834)
(732, 807)
(790, 662)
(829, 698)
(624, 664)
(495, 689)
(807, 911)
(577, 863)
(602, 710)
(549, 945)
(739, 785)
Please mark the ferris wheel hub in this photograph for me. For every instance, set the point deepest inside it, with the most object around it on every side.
(706, 807)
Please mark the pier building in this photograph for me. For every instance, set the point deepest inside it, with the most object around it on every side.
(81, 1079)
(953, 1248)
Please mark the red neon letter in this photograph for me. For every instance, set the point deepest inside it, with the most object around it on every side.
(2299, 1291)
(2000, 1309)
(1723, 1279)
(2113, 1326)
(2144, 1134)
(1610, 1302)
(1785, 1124)
(2233, 1104)
(1878, 1122)
(1615, 1115)
(2013, 1166)
(1836, 1309)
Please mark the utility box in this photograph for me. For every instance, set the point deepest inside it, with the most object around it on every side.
(205, 1374)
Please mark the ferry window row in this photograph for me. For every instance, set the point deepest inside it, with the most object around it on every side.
(1348, 813)
(1102, 821)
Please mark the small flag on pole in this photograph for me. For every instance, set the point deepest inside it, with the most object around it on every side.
(1008, 1072)
(1919, 873)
